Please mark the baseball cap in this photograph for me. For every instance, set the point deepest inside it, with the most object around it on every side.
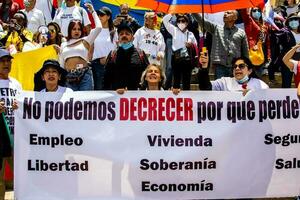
(124, 26)
(104, 10)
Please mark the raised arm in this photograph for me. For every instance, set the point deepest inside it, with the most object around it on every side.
(209, 26)
(98, 26)
(168, 25)
(287, 59)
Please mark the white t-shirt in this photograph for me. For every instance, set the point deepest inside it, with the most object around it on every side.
(35, 19)
(290, 10)
(60, 89)
(9, 90)
(297, 38)
(230, 84)
(46, 7)
(179, 38)
(64, 16)
(103, 44)
(150, 41)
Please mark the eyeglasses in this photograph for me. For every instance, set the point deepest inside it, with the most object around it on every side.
(101, 14)
(181, 20)
(240, 66)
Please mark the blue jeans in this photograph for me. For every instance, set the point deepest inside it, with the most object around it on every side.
(86, 83)
(98, 74)
(222, 71)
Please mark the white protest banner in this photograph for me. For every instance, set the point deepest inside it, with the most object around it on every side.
(155, 145)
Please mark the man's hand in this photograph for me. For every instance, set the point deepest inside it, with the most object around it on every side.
(203, 59)
(15, 105)
(121, 90)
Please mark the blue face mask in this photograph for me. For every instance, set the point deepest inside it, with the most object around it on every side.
(243, 80)
(256, 15)
(294, 24)
(126, 46)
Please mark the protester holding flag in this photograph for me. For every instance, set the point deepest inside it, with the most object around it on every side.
(228, 42)
(243, 77)
(151, 41)
(9, 89)
(74, 54)
(182, 41)
(105, 42)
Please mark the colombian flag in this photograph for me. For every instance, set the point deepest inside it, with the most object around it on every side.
(135, 11)
(26, 64)
(195, 6)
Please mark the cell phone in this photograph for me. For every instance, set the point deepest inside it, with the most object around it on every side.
(204, 50)
(122, 16)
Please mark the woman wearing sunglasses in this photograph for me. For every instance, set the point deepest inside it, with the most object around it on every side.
(243, 80)
(55, 35)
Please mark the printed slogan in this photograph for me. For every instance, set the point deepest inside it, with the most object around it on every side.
(155, 145)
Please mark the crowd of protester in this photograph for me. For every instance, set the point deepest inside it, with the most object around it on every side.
(99, 52)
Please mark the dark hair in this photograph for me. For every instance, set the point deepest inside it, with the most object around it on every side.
(248, 63)
(71, 26)
(185, 17)
(58, 37)
(24, 16)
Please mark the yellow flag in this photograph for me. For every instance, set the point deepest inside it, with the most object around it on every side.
(26, 64)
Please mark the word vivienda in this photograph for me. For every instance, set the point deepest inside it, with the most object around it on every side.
(172, 141)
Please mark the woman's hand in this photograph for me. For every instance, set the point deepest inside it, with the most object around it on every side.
(89, 7)
(15, 105)
(203, 59)
(176, 91)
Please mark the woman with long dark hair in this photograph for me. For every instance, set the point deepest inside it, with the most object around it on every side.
(55, 35)
(104, 43)
(74, 54)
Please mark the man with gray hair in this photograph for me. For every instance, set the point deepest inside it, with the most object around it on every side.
(228, 42)
(151, 41)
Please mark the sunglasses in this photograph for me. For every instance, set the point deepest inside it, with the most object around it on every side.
(181, 20)
(240, 66)
(101, 14)
(51, 30)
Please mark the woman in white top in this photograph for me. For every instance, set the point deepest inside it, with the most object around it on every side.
(104, 43)
(74, 54)
(243, 80)
(182, 41)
